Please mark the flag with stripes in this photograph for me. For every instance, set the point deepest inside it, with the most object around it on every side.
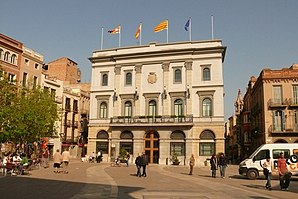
(161, 26)
(115, 31)
(137, 35)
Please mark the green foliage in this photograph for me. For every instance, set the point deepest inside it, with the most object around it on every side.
(122, 153)
(26, 115)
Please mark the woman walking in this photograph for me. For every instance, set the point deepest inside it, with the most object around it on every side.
(191, 164)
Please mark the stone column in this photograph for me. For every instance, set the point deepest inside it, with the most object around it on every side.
(138, 89)
(166, 83)
(188, 82)
(116, 99)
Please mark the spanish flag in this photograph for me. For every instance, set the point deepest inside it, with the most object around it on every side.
(115, 31)
(137, 35)
(161, 26)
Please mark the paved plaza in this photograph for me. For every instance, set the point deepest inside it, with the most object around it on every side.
(92, 180)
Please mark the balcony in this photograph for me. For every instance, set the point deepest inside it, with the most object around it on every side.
(149, 121)
(277, 103)
(293, 102)
(287, 128)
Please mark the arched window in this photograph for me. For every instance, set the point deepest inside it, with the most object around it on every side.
(1, 53)
(128, 79)
(103, 112)
(126, 141)
(206, 74)
(6, 55)
(152, 108)
(207, 143)
(280, 141)
(102, 143)
(178, 143)
(13, 59)
(207, 107)
(128, 109)
(178, 107)
(178, 76)
(104, 80)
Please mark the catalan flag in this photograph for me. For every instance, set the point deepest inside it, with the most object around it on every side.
(137, 35)
(115, 31)
(161, 26)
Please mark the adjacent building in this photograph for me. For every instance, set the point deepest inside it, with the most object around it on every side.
(270, 111)
(161, 99)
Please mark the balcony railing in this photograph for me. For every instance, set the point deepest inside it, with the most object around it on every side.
(287, 128)
(151, 119)
(277, 102)
(293, 102)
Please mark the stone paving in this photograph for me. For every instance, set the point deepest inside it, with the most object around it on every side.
(92, 180)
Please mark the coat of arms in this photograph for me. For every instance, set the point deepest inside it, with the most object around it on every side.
(152, 78)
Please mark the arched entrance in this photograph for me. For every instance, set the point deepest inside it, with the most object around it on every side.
(151, 146)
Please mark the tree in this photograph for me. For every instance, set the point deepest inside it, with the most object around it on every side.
(27, 115)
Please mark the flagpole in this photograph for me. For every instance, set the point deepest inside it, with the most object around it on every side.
(119, 36)
(141, 34)
(101, 41)
(212, 27)
(167, 31)
(189, 28)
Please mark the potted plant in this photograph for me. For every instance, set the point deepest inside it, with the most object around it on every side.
(123, 154)
(175, 159)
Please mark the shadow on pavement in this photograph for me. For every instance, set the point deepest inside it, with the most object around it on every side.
(13, 187)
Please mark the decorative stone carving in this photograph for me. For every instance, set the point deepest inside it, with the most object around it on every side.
(117, 70)
(152, 78)
(188, 65)
(138, 68)
(166, 66)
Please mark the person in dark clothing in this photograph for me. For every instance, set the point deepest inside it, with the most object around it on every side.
(139, 163)
(144, 164)
(213, 164)
(222, 164)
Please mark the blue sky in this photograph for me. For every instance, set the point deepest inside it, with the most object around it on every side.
(258, 34)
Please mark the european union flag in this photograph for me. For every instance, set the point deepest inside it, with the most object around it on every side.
(186, 27)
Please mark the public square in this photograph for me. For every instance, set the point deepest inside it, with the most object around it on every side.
(92, 180)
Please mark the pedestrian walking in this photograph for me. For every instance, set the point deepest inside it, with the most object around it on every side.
(144, 164)
(99, 157)
(213, 164)
(284, 174)
(139, 163)
(57, 158)
(191, 164)
(65, 160)
(222, 164)
(127, 158)
(267, 172)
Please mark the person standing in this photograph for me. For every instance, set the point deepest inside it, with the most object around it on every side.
(99, 157)
(65, 160)
(139, 164)
(144, 164)
(213, 164)
(284, 174)
(222, 164)
(191, 164)
(267, 172)
(57, 158)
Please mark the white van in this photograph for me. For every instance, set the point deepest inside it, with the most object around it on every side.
(252, 166)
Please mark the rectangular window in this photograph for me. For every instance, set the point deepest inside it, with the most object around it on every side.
(262, 155)
(279, 121)
(177, 148)
(277, 92)
(34, 82)
(128, 146)
(295, 94)
(128, 79)
(11, 78)
(36, 66)
(276, 153)
(177, 76)
(24, 79)
(104, 80)
(103, 147)
(207, 149)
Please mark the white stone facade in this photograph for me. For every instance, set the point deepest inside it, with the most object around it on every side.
(159, 99)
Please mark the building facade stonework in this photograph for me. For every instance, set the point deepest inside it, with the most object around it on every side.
(161, 99)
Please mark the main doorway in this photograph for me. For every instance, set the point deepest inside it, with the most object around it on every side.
(151, 142)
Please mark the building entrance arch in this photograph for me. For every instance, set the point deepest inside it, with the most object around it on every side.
(151, 146)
